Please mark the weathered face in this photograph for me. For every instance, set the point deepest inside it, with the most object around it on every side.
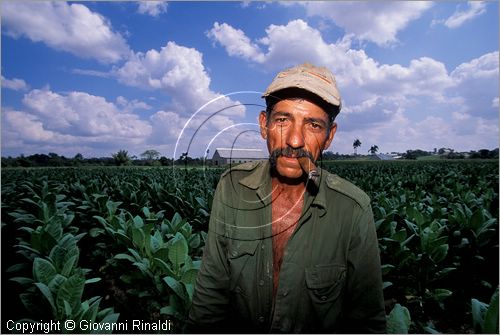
(295, 126)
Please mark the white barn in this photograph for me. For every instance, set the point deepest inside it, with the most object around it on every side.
(223, 156)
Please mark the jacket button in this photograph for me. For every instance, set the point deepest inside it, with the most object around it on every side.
(261, 319)
(285, 293)
(323, 297)
(234, 253)
(238, 289)
(261, 282)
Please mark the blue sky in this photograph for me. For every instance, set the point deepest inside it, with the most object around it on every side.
(97, 77)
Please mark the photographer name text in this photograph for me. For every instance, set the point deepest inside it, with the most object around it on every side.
(87, 325)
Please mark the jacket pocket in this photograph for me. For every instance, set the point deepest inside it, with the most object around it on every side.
(242, 278)
(325, 284)
(240, 264)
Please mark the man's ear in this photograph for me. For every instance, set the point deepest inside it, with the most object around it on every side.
(330, 136)
(263, 124)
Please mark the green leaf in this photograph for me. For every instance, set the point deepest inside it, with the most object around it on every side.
(17, 267)
(162, 254)
(439, 253)
(144, 267)
(190, 292)
(398, 320)
(196, 264)
(56, 282)
(386, 268)
(135, 254)
(68, 312)
(101, 220)
(156, 242)
(138, 237)
(138, 222)
(92, 280)
(90, 312)
(440, 294)
(124, 256)
(478, 309)
(94, 232)
(490, 325)
(54, 229)
(194, 241)
(168, 310)
(71, 291)
(163, 266)
(43, 270)
(69, 266)
(176, 287)
(22, 280)
(107, 320)
(176, 221)
(386, 284)
(189, 277)
(47, 294)
(178, 250)
(112, 206)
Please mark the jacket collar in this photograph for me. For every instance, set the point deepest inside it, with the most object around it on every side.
(260, 180)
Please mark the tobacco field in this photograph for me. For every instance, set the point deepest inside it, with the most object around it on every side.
(108, 244)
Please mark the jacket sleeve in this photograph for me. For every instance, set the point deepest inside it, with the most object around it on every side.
(364, 309)
(210, 299)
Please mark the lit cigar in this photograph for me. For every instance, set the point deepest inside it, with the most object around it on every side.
(312, 171)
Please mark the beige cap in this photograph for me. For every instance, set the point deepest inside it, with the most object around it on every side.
(317, 80)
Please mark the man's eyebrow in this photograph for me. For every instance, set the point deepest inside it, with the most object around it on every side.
(315, 120)
(281, 113)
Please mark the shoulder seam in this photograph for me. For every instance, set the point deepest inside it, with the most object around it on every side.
(249, 166)
(339, 184)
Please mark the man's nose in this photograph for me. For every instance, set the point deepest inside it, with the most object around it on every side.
(295, 137)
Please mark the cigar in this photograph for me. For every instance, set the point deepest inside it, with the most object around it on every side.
(310, 169)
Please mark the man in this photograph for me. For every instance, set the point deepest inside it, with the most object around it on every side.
(291, 248)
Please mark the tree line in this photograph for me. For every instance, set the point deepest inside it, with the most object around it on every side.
(153, 157)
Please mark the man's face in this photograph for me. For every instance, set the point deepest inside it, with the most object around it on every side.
(295, 127)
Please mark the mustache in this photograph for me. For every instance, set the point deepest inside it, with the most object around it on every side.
(289, 152)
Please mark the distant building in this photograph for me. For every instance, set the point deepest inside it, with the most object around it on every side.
(223, 156)
(383, 157)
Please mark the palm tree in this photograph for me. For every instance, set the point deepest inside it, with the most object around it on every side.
(373, 150)
(356, 145)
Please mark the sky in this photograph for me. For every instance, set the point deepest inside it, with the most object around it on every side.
(97, 77)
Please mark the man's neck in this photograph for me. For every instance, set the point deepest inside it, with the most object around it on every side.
(288, 185)
(293, 189)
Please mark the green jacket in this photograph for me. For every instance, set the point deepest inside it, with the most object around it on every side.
(330, 278)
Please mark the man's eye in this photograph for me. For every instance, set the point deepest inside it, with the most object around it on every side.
(315, 125)
(281, 119)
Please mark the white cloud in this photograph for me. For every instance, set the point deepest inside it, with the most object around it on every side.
(176, 70)
(389, 103)
(73, 122)
(475, 9)
(131, 105)
(235, 41)
(82, 114)
(179, 72)
(30, 128)
(93, 73)
(297, 42)
(476, 85)
(153, 8)
(494, 102)
(14, 84)
(63, 26)
(377, 22)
